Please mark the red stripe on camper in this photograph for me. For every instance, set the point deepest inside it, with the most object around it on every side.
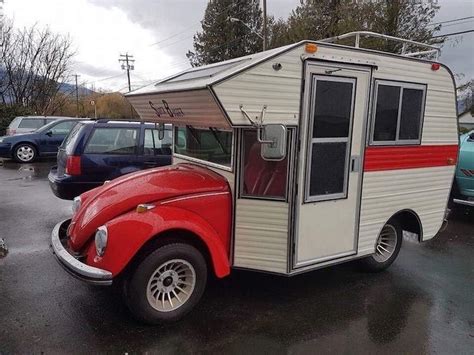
(409, 157)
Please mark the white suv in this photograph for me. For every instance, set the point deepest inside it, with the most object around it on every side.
(26, 124)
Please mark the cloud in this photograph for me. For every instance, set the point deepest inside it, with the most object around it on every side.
(99, 34)
(159, 33)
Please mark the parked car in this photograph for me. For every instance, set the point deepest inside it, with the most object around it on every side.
(25, 148)
(463, 189)
(26, 124)
(97, 151)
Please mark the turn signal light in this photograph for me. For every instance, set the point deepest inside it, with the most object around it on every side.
(144, 207)
(311, 48)
(73, 165)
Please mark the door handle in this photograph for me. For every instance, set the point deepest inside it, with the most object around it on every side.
(355, 164)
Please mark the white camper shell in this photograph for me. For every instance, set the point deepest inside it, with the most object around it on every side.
(370, 137)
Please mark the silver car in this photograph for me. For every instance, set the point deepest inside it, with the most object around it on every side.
(26, 124)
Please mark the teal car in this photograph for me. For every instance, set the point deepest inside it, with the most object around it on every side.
(464, 186)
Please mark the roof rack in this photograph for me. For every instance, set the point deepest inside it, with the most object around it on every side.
(428, 48)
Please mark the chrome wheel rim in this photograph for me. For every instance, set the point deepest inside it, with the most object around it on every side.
(171, 285)
(25, 153)
(386, 243)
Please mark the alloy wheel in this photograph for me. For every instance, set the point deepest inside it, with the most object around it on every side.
(386, 243)
(25, 153)
(171, 285)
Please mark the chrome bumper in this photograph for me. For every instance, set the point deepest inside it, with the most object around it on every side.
(76, 268)
(464, 202)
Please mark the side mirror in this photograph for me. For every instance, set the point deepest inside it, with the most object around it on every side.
(49, 133)
(273, 141)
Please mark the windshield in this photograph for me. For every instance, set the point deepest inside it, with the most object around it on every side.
(210, 144)
(46, 127)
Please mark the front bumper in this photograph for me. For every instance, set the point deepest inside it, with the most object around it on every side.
(5, 150)
(72, 265)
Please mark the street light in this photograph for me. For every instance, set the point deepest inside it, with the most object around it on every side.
(233, 19)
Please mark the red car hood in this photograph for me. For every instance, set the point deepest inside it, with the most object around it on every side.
(125, 193)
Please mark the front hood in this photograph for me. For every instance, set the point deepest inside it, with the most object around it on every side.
(125, 193)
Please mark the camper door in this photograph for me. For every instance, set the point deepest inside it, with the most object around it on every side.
(330, 171)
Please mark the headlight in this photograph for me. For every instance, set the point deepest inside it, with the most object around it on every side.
(101, 240)
(76, 204)
(1, 140)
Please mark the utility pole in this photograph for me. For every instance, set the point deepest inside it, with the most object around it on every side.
(77, 96)
(264, 32)
(127, 61)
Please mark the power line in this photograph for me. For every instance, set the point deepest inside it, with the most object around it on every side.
(187, 37)
(453, 34)
(458, 23)
(448, 21)
(174, 35)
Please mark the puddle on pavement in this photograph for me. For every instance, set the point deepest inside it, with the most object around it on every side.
(27, 171)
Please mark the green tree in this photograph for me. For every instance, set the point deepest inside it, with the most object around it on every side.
(222, 39)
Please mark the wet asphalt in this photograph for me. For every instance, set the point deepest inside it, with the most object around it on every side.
(423, 304)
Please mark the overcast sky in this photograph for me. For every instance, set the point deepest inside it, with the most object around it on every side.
(159, 33)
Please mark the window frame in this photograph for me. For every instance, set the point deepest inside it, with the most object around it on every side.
(152, 129)
(310, 140)
(229, 168)
(289, 155)
(402, 85)
(91, 134)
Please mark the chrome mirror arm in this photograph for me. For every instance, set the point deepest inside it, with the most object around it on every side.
(257, 124)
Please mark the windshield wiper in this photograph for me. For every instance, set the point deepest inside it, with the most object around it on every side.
(216, 136)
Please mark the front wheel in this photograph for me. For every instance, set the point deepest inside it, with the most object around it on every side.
(387, 248)
(167, 284)
(24, 153)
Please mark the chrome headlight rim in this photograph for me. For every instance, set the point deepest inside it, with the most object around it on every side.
(76, 204)
(101, 239)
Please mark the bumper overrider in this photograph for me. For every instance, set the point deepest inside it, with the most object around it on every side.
(71, 264)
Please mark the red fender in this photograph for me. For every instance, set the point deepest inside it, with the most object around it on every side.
(129, 232)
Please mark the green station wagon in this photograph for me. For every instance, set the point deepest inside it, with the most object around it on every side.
(464, 187)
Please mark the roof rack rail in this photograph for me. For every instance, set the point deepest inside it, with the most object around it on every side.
(104, 120)
(428, 48)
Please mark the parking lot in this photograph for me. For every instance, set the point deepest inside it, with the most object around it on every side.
(423, 304)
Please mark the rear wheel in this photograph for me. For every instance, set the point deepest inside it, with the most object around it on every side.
(24, 153)
(167, 284)
(387, 248)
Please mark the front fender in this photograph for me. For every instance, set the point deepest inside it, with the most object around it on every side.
(129, 232)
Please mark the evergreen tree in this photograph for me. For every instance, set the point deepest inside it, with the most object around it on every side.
(314, 19)
(221, 39)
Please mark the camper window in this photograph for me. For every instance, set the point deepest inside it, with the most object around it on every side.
(398, 113)
(211, 145)
(262, 178)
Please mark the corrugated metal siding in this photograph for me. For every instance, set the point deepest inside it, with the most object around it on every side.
(384, 193)
(261, 235)
(280, 90)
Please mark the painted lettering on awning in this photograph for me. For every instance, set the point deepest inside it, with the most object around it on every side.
(166, 110)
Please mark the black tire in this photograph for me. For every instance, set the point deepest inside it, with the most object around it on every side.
(27, 158)
(374, 262)
(136, 291)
